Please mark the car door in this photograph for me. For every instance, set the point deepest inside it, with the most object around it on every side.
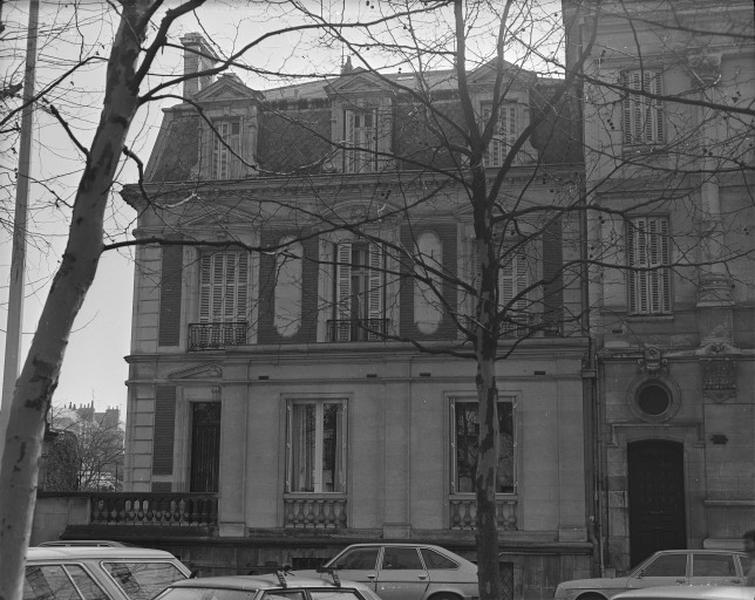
(357, 564)
(402, 575)
(663, 569)
(714, 569)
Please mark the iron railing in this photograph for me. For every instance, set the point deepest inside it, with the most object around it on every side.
(357, 330)
(210, 336)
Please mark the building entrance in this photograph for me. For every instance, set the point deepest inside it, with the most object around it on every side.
(656, 497)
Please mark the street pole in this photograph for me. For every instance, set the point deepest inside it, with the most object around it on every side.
(18, 255)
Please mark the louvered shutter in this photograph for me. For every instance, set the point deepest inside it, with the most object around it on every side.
(665, 272)
(648, 258)
(513, 279)
(348, 135)
(376, 289)
(343, 292)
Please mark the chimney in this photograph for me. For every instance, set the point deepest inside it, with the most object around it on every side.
(198, 56)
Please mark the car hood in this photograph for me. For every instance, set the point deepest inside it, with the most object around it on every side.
(597, 582)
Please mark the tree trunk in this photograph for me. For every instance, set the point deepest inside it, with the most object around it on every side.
(39, 376)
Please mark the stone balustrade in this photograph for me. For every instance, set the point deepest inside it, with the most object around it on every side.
(162, 509)
(314, 511)
(463, 512)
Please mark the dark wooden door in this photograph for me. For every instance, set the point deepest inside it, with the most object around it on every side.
(205, 446)
(656, 497)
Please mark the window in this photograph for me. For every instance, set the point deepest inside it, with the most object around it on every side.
(667, 565)
(396, 558)
(223, 286)
(359, 308)
(513, 280)
(356, 559)
(226, 148)
(316, 446)
(49, 582)
(361, 136)
(434, 560)
(648, 260)
(142, 581)
(713, 565)
(504, 134)
(643, 116)
(465, 427)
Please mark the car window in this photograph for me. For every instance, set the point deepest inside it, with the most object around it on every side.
(713, 565)
(400, 558)
(143, 580)
(356, 558)
(87, 586)
(334, 595)
(667, 565)
(435, 560)
(48, 582)
(283, 595)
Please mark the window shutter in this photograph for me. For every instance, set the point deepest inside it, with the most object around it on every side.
(163, 430)
(343, 291)
(171, 278)
(376, 288)
(242, 286)
(348, 134)
(665, 279)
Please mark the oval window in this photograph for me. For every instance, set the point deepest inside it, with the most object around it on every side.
(653, 399)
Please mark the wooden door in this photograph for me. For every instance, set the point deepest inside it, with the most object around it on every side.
(656, 497)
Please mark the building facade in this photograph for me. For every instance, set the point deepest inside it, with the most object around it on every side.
(668, 158)
(287, 353)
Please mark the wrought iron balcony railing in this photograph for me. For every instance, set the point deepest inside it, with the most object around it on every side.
(210, 336)
(357, 330)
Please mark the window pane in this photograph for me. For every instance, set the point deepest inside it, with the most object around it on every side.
(357, 558)
(142, 581)
(705, 565)
(395, 558)
(331, 447)
(48, 583)
(85, 583)
(283, 595)
(183, 593)
(303, 447)
(672, 565)
(333, 595)
(433, 560)
(467, 430)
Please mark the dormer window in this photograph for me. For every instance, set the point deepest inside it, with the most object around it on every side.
(361, 138)
(226, 148)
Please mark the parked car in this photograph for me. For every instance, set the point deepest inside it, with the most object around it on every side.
(280, 586)
(690, 592)
(102, 543)
(82, 572)
(667, 567)
(407, 571)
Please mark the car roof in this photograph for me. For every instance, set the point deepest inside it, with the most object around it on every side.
(95, 552)
(271, 580)
(700, 551)
(397, 544)
(101, 543)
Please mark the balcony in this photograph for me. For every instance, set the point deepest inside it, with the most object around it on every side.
(463, 513)
(357, 330)
(165, 510)
(212, 336)
(314, 511)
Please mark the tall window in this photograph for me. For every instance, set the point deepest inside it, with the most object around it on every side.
(466, 426)
(643, 116)
(226, 147)
(504, 134)
(513, 280)
(361, 135)
(360, 292)
(648, 262)
(223, 286)
(316, 446)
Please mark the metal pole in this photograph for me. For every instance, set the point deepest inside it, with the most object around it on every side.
(18, 256)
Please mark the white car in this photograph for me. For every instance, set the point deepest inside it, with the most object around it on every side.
(83, 572)
(690, 592)
(664, 568)
(407, 571)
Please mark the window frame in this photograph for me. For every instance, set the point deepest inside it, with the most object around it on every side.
(454, 400)
(648, 279)
(360, 154)
(340, 474)
(643, 118)
(225, 147)
(209, 287)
